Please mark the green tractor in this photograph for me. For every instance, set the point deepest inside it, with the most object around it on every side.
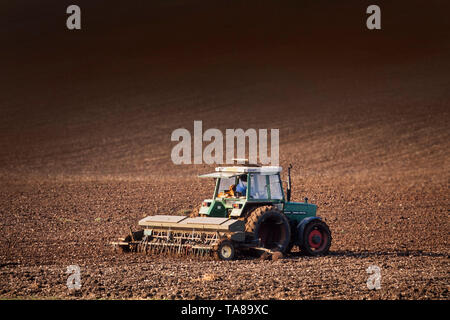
(249, 210)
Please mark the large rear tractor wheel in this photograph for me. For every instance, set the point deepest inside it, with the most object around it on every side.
(316, 238)
(270, 227)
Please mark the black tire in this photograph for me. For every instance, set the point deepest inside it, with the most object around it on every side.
(316, 238)
(270, 227)
(225, 250)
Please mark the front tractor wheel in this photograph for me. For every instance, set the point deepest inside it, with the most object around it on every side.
(316, 238)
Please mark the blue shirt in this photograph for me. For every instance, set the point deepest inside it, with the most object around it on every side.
(241, 188)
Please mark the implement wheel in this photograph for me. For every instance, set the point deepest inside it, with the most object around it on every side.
(316, 238)
(225, 250)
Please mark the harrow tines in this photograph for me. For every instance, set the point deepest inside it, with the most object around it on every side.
(179, 248)
(176, 243)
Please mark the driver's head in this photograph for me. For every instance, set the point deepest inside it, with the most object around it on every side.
(243, 178)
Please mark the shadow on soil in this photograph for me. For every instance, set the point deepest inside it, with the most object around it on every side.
(395, 253)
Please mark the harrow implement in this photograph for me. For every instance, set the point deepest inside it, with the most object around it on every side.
(184, 236)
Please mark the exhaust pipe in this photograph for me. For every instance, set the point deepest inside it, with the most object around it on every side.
(288, 189)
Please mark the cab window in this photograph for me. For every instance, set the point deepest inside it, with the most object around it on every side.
(258, 187)
(276, 192)
(225, 184)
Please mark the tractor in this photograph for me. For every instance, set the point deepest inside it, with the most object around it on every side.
(249, 211)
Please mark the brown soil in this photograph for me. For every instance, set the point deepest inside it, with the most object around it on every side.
(85, 146)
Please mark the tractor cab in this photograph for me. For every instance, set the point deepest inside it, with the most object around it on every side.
(240, 188)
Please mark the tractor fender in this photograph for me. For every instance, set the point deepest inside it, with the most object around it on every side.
(301, 228)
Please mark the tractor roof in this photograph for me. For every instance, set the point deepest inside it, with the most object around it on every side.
(228, 172)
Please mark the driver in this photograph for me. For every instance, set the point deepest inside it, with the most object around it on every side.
(241, 187)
